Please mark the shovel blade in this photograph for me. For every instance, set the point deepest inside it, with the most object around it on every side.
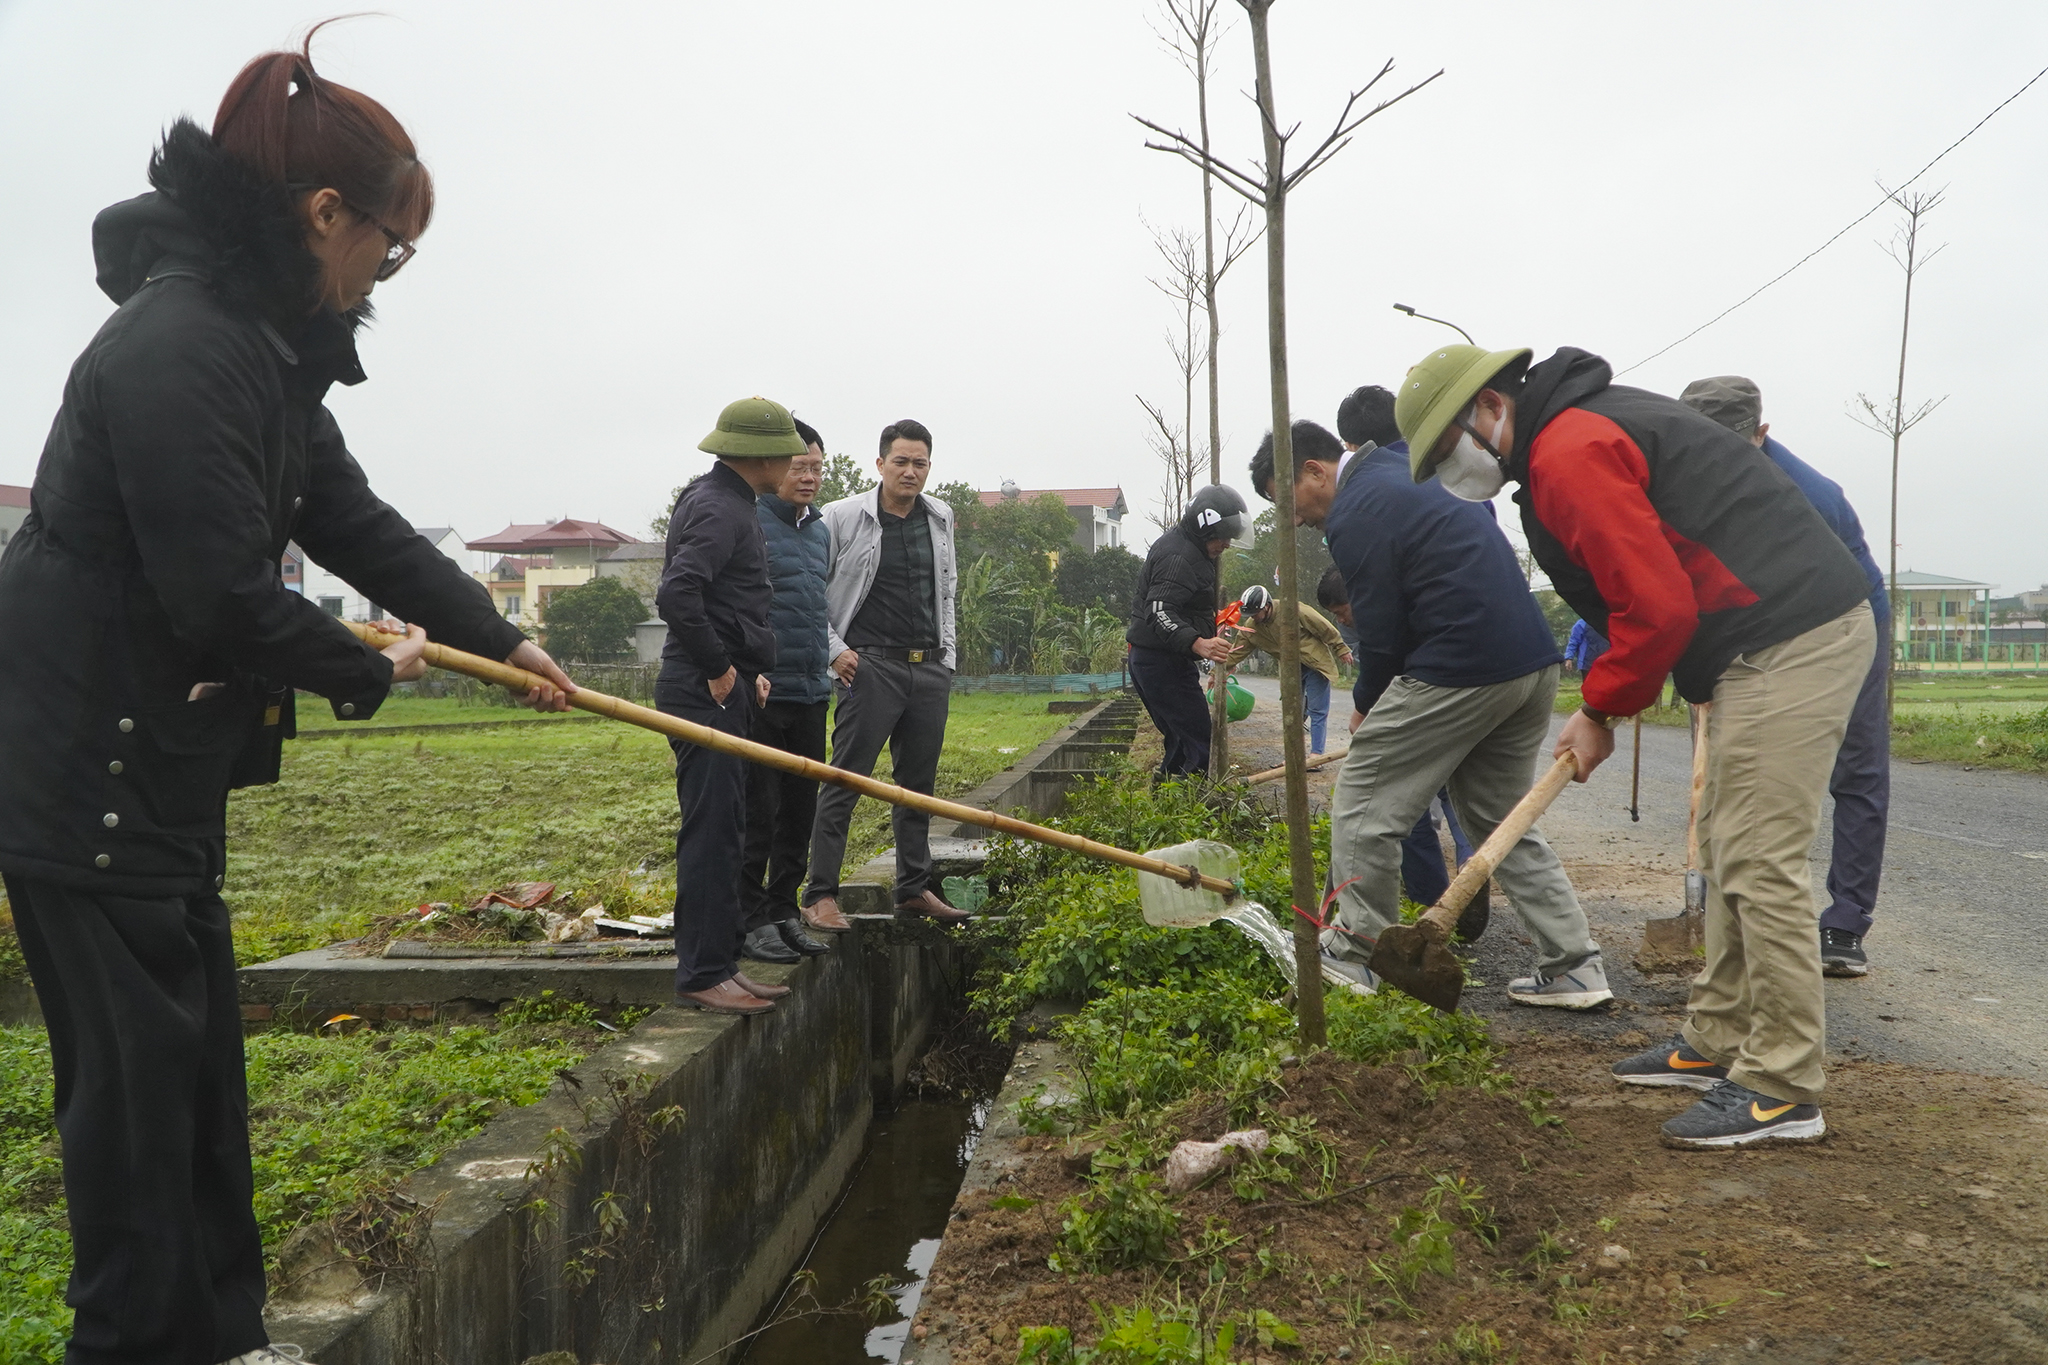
(1410, 960)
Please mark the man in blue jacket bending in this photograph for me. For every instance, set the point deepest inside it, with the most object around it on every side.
(1861, 783)
(1456, 672)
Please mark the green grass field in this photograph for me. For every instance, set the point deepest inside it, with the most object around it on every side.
(366, 827)
(1999, 721)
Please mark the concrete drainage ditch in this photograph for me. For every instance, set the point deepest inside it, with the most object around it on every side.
(598, 1224)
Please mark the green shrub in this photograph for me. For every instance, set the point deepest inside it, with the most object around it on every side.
(1389, 1028)
(1149, 1046)
(1122, 1221)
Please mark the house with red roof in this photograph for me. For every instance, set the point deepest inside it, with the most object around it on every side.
(1098, 512)
(539, 560)
(13, 510)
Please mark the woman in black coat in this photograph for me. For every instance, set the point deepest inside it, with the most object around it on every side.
(151, 653)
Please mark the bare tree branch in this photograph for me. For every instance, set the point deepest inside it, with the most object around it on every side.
(1340, 133)
(1182, 145)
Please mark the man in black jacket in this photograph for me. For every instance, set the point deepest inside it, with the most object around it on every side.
(715, 596)
(1173, 623)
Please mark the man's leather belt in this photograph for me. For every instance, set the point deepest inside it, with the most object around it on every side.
(900, 654)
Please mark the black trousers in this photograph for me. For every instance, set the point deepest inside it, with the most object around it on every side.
(1170, 686)
(153, 1111)
(903, 706)
(780, 807)
(711, 794)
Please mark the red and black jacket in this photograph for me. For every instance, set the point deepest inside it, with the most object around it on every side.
(1672, 536)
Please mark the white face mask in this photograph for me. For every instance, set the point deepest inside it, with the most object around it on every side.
(1470, 471)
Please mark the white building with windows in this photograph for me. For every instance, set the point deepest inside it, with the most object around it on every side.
(337, 598)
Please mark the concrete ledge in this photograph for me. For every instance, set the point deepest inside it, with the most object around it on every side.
(648, 1246)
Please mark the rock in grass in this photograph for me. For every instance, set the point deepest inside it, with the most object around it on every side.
(1193, 1162)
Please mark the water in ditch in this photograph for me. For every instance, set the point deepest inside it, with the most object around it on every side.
(888, 1223)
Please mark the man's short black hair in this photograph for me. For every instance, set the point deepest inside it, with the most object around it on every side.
(1330, 589)
(1367, 414)
(1311, 442)
(807, 433)
(905, 430)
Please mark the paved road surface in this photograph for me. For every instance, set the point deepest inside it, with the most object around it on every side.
(1959, 954)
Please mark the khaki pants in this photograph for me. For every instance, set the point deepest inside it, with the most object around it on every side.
(1483, 743)
(1778, 718)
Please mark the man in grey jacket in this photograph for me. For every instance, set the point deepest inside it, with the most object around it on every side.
(889, 596)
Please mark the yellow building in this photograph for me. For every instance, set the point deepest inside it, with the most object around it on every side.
(541, 560)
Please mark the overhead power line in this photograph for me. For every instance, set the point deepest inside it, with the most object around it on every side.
(1844, 232)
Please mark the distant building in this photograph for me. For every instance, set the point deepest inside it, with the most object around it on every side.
(1940, 618)
(540, 560)
(13, 510)
(338, 598)
(1098, 512)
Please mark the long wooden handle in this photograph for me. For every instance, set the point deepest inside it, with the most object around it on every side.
(1699, 784)
(1505, 836)
(585, 699)
(1275, 774)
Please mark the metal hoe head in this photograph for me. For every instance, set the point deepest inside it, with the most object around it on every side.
(1414, 958)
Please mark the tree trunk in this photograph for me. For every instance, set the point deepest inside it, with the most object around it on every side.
(1219, 721)
(1898, 432)
(1301, 862)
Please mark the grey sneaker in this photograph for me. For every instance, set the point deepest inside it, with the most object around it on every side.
(1672, 1062)
(1731, 1115)
(1355, 977)
(1841, 954)
(1581, 988)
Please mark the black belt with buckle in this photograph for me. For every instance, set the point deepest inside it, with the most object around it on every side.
(900, 654)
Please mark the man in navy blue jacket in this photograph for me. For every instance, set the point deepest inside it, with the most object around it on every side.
(1862, 780)
(780, 805)
(1456, 673)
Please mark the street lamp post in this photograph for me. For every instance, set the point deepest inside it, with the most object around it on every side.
(1404, 308)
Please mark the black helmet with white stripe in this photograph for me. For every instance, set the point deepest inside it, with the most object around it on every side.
(1214, 513)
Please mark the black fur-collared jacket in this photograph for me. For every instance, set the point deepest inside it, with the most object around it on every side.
(192, 443)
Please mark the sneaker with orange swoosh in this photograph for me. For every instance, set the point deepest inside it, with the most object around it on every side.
(1731, 1115)
(1670, 1063)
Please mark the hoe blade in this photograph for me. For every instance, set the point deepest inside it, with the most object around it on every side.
(1409, 959)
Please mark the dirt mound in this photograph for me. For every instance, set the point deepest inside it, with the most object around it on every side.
(1915, 1232)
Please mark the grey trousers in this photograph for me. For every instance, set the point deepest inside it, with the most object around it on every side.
(903, 706)
(1481, 742)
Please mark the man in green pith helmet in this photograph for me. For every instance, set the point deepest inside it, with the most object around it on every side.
(1696, 557)
(714, 595)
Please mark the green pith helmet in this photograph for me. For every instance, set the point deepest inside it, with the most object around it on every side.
(1436, 390)
(754, 428)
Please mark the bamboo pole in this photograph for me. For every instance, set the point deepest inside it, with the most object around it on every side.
(586, 699)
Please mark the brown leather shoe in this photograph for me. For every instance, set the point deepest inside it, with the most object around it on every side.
(825, 917)
(727, 997)
(927, 903)
(760, 990)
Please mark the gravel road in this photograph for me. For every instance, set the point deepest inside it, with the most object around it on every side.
(1959, 974)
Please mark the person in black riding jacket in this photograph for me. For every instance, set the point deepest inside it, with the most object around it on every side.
(1173, 623)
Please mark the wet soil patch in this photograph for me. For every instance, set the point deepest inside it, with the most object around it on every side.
(1915, 1232)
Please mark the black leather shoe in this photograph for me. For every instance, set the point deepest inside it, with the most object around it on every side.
(794, 937)
(765, 945)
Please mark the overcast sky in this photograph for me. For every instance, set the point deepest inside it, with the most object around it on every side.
(932, 209)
